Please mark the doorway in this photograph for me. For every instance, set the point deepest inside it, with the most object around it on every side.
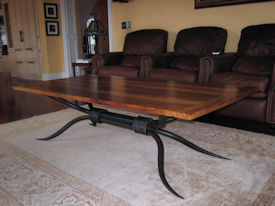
(92, 22)
(74, 15)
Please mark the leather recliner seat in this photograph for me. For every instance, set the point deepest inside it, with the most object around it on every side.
(149, 42)
(252, 66)
(191, 44)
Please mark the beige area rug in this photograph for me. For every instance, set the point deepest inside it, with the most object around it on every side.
(107, 165)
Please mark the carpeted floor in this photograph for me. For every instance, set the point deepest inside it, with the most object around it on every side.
(107, 165)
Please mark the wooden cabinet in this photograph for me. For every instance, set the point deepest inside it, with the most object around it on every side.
(11, 65)
(7, 64)
(23, 19)
(31, 33)
(28, 63)
(3, 63)
(25, 39)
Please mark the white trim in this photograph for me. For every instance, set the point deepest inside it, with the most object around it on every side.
(110, 26)
(64, 37)
(52, 76)
(69, 33)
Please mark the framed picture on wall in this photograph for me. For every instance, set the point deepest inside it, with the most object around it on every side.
(210, 3)
(52, 28)
(50, 11)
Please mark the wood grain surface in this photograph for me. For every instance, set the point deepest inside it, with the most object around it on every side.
(168, 98)
(16, 105)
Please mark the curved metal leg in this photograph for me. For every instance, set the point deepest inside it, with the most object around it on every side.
(69, 104)
(163, 120)
(161, 163)
(141, 125)
(188, 144)
(170, 119)
(60, 131)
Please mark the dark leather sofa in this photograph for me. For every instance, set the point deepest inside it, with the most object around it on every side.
(252, 66)
(183, 64)
(147, 42)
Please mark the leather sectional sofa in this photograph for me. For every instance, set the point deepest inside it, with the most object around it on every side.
(198, 57)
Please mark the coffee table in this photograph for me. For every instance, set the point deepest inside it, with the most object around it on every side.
(168, 99)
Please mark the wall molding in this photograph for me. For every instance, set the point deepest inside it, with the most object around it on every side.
(51, 76)
(110, 25)
(61, 75)
(69, 33)
(64, 36)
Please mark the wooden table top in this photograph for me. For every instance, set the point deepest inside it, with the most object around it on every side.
(168, 98)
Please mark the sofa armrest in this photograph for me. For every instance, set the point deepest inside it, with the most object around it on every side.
(270, 107)
(219, 63)
(112, 58)
(149, 62)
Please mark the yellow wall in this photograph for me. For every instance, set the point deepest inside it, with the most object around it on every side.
(51, 46)
(174, 15)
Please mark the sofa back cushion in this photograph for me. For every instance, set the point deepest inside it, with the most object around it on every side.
(261, 66)
(189, 63)
(146, 42)
(200, 41)
(258, 40)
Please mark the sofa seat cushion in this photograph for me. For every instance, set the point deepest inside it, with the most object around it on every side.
(130, 72)
(242, 80)
(189, 63)
(262, 66)
(173, 74)
(248, 108)
(130, 61)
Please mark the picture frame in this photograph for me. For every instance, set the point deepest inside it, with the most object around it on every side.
(199, 4)
(50, 11)
(52, 28)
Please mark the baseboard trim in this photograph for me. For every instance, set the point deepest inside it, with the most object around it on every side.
(52, 76)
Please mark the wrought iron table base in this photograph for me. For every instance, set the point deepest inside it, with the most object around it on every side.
(143, 125)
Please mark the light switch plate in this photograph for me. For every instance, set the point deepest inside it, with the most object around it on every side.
(126, 25)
